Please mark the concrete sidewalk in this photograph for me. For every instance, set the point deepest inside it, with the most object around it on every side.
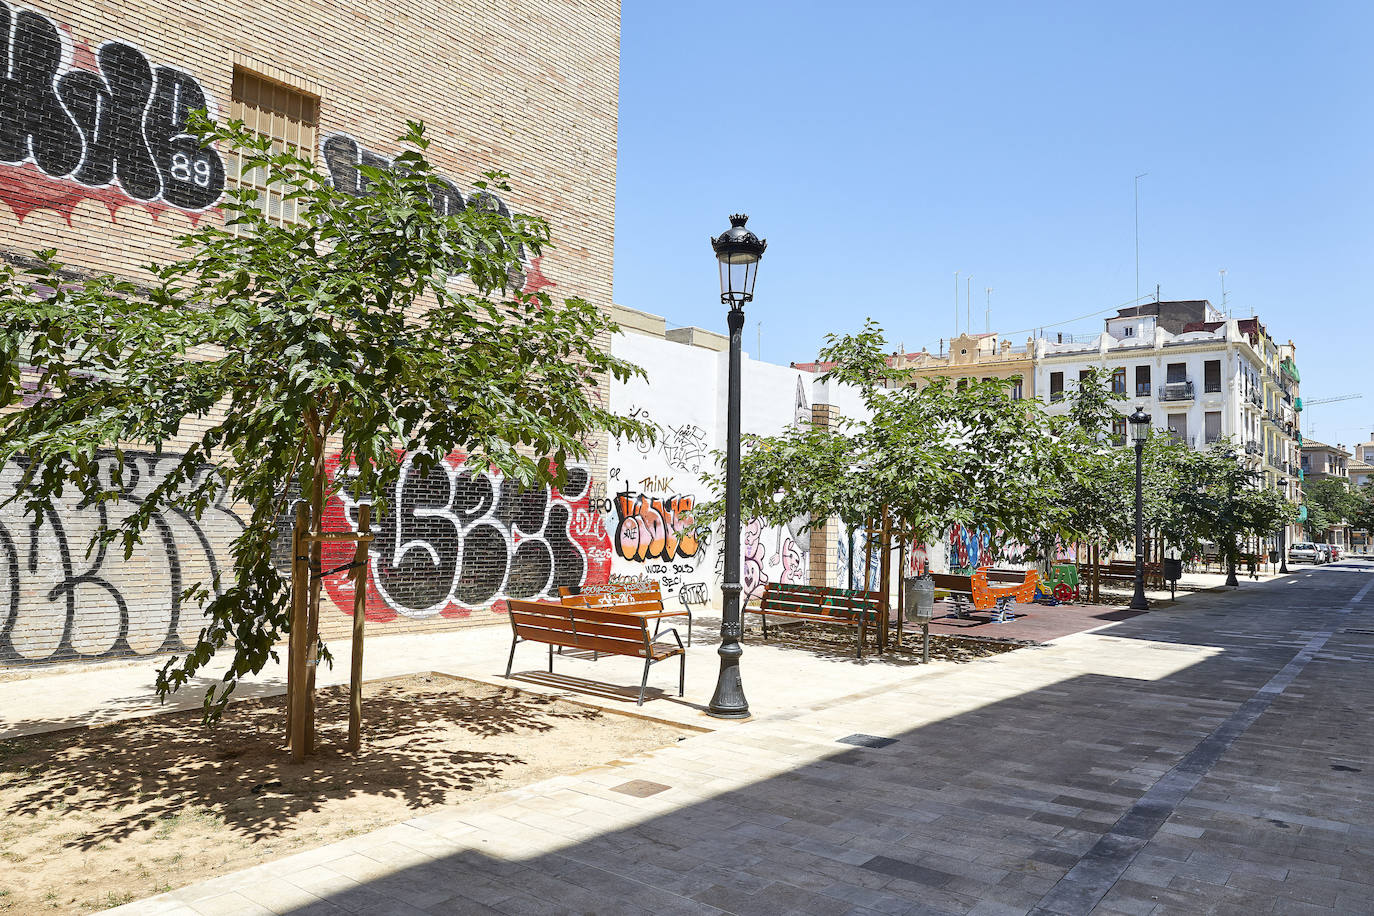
(1202, 758)
(44, 699)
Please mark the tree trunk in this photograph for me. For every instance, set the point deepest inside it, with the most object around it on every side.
(1097, 573)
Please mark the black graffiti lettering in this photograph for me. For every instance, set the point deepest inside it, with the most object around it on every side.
(341, 158)
(192, 175)
(33, 123)
(59, 604)
(110, 112)
(123, 123)
(468, 537)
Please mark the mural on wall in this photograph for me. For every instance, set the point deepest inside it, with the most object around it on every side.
(969, 549)
(59, 604)
(106, 124)
(458, 539)
(653, 527)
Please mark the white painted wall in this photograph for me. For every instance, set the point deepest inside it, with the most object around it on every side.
(652, 488)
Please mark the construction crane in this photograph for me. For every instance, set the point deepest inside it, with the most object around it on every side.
(1315, 401)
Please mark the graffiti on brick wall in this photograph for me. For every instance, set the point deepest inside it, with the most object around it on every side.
(105, 124)
(58, 603)
(971, 548)
(457, 539)
(343, 155)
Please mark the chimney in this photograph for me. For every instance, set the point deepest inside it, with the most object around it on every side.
(1060, 335)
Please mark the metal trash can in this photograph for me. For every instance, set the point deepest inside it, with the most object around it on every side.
(920, 598)
(1173, 571)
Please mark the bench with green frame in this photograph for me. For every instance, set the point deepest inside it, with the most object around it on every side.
(847, 607)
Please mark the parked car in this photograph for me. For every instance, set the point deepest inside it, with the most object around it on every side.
(1303, 552)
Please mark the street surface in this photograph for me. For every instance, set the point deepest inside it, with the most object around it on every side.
(1209, 757)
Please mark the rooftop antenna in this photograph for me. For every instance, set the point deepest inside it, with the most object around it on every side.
(759, 328)
(956, 308)
(1224, 307)
(987, 314)
(1137, 235)
(968, 305)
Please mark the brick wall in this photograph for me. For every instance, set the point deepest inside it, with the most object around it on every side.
(92, 164)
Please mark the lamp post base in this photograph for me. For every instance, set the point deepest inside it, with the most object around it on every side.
(728, 701)
(1139, 602)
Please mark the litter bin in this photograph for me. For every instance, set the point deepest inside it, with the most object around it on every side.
(1173, 571)
(920, 607)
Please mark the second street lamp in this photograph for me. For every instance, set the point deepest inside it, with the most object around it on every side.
(1140, 431)
(738, 252)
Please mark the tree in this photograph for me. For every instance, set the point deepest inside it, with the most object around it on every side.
(1330, 502)
(378, 325)
(926, 457)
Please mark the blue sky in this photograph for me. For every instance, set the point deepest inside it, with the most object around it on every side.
(881, 147)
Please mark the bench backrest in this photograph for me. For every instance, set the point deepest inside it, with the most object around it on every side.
(652, 598)
(842, 603)
(609, 588)
(953, 583)
(579, 627)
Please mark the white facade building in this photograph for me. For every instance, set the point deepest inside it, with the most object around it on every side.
(1199, 375)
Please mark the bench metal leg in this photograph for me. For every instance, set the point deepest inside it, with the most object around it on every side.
(764, 619)
(859, 652)
(644, 683)
(511, 661)
(682, 671)
(689, 626)
(550, 658)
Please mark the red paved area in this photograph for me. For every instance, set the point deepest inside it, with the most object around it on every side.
(1038, 622)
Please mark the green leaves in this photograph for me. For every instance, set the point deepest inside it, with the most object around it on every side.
(269, 347)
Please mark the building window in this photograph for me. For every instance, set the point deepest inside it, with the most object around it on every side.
(1142, 381)
(1211, 426)
(1119, 381)
(290, 119)
(1129, 332)
(1119, 431)
(1016, 391)
(1177, 372)
(1211, 376)
(1056, 386)
(1178, 427)
(1083, 375)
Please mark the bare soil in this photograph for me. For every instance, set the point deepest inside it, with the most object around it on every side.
(92, 818)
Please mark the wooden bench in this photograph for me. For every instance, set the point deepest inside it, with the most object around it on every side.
(1124, 571)
(960, 589)
(609, 631)
(849, 607)
(615, 595)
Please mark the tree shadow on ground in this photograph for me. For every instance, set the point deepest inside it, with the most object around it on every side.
(144, 774)
(838, 643)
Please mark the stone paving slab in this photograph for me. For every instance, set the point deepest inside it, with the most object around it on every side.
(1208, 757)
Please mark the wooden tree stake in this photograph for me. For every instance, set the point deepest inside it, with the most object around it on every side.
(355, 678)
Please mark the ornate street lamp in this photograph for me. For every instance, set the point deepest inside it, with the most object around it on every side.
(738, 250)
(1140, 431)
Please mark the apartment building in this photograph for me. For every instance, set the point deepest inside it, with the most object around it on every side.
(970, 356)
(1321, 460)
(95, 163)
(1200, 376)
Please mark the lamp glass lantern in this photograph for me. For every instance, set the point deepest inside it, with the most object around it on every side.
(1140, 425)
(738, 252)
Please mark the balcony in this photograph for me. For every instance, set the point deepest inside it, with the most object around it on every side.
(1253, 448)
(1257, 399)
(1176, 391)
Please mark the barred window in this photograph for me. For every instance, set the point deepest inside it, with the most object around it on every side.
(286, 116)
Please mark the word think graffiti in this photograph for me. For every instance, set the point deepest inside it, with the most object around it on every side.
(654, 527)
(125, 120)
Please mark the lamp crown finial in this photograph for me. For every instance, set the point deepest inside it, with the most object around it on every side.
(739, 219)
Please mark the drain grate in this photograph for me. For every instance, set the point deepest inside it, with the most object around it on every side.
(866, 740)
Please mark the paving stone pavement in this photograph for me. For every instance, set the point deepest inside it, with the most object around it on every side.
(1213, 757)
